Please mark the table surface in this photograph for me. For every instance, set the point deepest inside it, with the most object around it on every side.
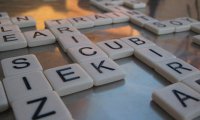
(129, 99)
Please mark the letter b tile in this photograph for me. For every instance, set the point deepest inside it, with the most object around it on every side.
(179, 100)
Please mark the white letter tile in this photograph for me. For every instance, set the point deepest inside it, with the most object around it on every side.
(20, 64)
(68, 79)
(103, 70)
(179, 100)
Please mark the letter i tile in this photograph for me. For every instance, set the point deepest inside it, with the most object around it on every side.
(179, 100)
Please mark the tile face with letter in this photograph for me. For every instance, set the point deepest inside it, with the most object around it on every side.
(141, 20)
(9, 28)
(137, 42)
(116, 49)
(20, 64)
(24, 21)
(39, 37)
(179, 100)
(85, 52)
(3, 99)
(25, 84)
(63, 30)
(100, 19)
(151, 55)
(56, 23)
(44, 106)
(175, 70)
(103, 70)
(68, 79)
(160, 27)
(81, 22)
(12, 40)
(73, 40)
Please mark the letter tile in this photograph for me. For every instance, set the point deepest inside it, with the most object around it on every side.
(179, 100)
(137, 42)
(73, 40)
(131, 13)
(175, 70)
(39, 37)
(25, 84)
(63, 30)
(103, 70)
(85, 52)
(3, 99)
(44, 106)
(117, 17)
(56, 23)
(68, 79)
(24, 21)
(151, 55)
(116, 49)
(100, 19)
(20, 64)
(81, 22)
(9, 28)
(160, 28)
(12, 40)
(141, 20)
(180, 25)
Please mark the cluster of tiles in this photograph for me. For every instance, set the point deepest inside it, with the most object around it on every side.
(26, 83)
(142, 20)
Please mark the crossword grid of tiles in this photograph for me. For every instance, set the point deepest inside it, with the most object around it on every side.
(29, 88)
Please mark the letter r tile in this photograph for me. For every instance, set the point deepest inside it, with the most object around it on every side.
(20, 64)
(175, 70)
(68, 79)
(179, 100)
(103, 70)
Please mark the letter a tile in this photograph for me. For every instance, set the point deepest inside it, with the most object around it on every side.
(103, 70)
(179, 100)
(46, 106)
(68, 79)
